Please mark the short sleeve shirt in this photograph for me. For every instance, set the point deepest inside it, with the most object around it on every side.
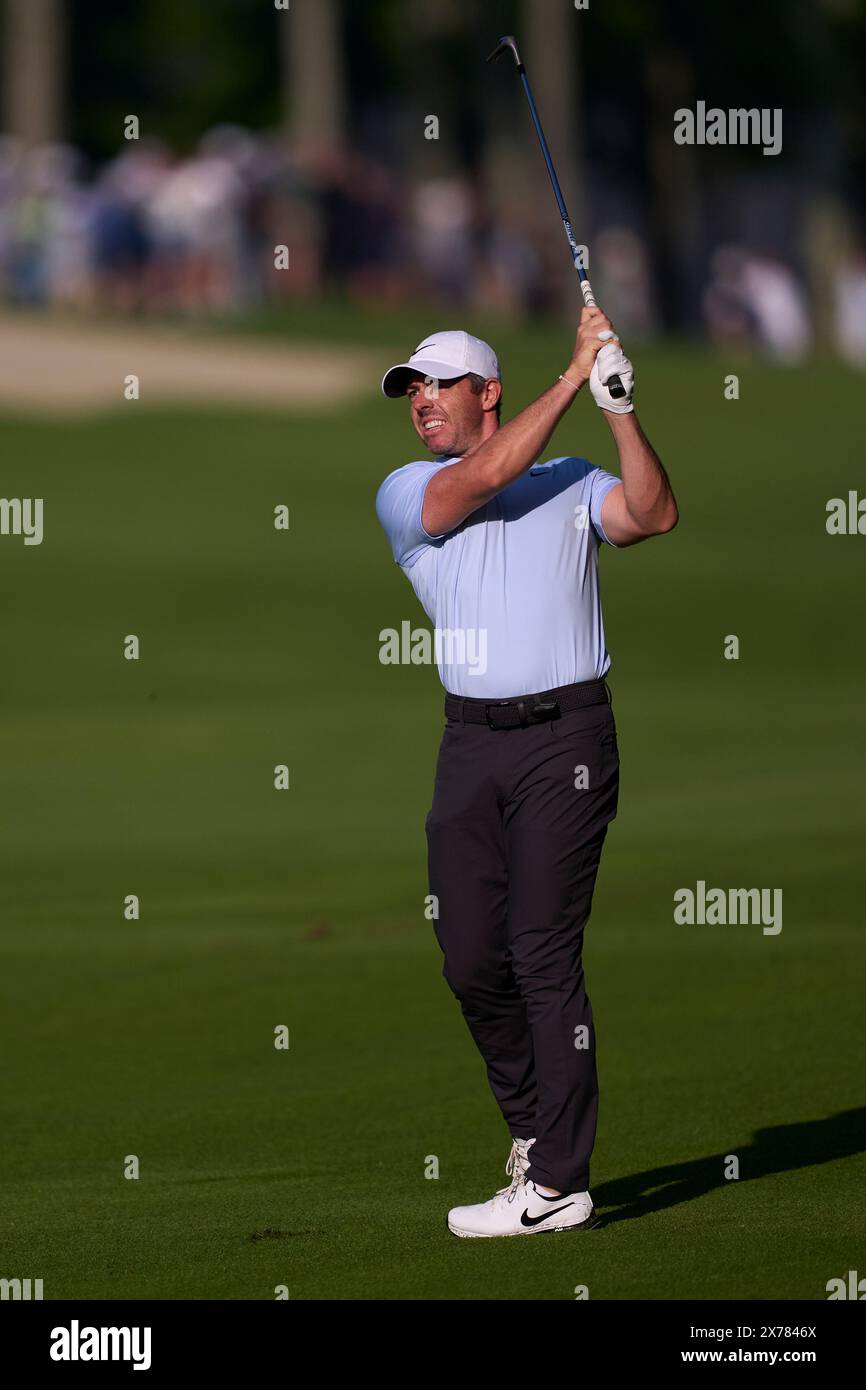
(513, 591)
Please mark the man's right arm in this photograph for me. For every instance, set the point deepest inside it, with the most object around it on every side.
(455, 492)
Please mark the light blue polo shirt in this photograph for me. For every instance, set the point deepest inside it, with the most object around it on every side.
(513, 592)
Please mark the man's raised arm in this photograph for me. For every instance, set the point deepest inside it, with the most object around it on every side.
(644, 505)
(455, 492)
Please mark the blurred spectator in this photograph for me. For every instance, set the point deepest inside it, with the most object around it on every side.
(120, 244)
(443, 237)
(512, 284)
(27, 221)
(730, 322)
(620, 274)
(775, 297)
(362, 237)
(756, 301)
(850, 310)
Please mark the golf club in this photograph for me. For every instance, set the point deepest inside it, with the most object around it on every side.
(614, 385)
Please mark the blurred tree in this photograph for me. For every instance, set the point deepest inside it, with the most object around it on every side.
(180, 68)
(314, 95)
(676, 205)
(33, 75)
(552, 53)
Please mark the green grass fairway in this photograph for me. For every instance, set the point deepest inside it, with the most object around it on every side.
(305, 907)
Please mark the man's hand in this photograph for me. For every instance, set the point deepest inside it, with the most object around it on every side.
(595, 329)
(610, 362)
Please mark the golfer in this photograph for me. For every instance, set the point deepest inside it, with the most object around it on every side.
(501, 550)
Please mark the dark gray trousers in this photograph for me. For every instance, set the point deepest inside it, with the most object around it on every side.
(515, 836)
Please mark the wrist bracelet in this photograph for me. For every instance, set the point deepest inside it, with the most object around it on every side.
(570, 382)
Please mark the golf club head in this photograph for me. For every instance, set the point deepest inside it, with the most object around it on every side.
(507, 42)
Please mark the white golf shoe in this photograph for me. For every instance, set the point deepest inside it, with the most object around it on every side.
(520, 1209)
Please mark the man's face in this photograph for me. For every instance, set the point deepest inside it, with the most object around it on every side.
(450, 420)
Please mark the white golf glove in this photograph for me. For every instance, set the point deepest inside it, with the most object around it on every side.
(612, 361)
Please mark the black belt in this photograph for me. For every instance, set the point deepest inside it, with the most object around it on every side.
(529, 709)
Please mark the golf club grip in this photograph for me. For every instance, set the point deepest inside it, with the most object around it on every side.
(614, 385)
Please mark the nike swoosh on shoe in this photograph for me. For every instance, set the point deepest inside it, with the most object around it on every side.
(527, 1220)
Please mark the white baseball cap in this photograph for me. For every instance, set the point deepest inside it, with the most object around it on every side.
(444, 356)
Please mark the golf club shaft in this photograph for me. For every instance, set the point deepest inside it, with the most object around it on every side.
(614, 385)
(554, 181)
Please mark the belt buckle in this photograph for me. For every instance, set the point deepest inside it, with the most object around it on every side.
(496, 704)
(546, 709)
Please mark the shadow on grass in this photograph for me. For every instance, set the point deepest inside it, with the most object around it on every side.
(780, 1149)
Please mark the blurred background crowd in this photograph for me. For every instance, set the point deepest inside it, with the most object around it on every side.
(370, 140)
